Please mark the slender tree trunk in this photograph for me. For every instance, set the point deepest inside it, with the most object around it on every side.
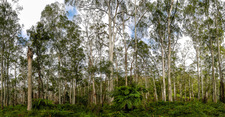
(197, 52)
(5, 80)
(94, 93)
(174, 87)
(185, 92)
(163, 72)
(59, 59)
(202, 82)
(40, 83)
(135, 33)
(155, 90)
(71, 88)
(222, 99)
(74, 92)
(7, 97)
(125, 47)
(110, 51)
(29, 57)
(169, 53)
(2, 74)
(213, 74)
(15, 91)
(189, 78)
(181, 96)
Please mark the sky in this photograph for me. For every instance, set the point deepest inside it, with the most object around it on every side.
(32, 9)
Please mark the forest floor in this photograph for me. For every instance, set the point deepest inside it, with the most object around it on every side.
(45, 109)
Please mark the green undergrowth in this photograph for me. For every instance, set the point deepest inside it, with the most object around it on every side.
(45, 108)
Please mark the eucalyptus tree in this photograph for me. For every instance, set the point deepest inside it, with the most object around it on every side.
(158, 34)
(75, 52)
(219, 34)
(110, 8)
(29, 75)
(39, 37)
(9, 28)
(54, 17)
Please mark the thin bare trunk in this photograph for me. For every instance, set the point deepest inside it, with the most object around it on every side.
(125, 47)
(219, 61)
(169, 54)
(163, 73)
(189, 78)
(135, 33)
(29, 57)
(197, 52)
(155, 89)
(213, 74)
(59, 78)
(2, 74)
(74, 92)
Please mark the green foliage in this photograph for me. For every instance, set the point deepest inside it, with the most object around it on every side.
(192, 109)
(41, 103)
(127, 98)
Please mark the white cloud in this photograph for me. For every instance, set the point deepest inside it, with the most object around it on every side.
(31, 12)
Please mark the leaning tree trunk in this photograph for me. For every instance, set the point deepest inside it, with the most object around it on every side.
(29, 57)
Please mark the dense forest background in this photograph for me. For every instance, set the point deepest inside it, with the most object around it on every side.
(114, 52)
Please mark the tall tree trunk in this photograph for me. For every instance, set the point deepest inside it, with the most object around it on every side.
(59, 59)
(110, 50)
(74, 92)
(125, 47)
(174, 88)
(163, 73)
(213, 74)
(181, 96)
(155, 90)
(189, 78)
(93, 86)
(29, 57)
(7, 97)
(202, 82)
(71, 88)
(222, 99)
(15, 89)
(5, 80)
(169, 53)
(197, 52)
(135, 34)
(2, 74)
(40, 83)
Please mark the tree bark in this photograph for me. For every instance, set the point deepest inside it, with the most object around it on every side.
(197, 52)
(169, 53)
(74, 92)
(59, 59)
(125, 47)
(213, 74)
(135, 34)
(222, 99)
(155, 90)
(2, 74)
(29, 57)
